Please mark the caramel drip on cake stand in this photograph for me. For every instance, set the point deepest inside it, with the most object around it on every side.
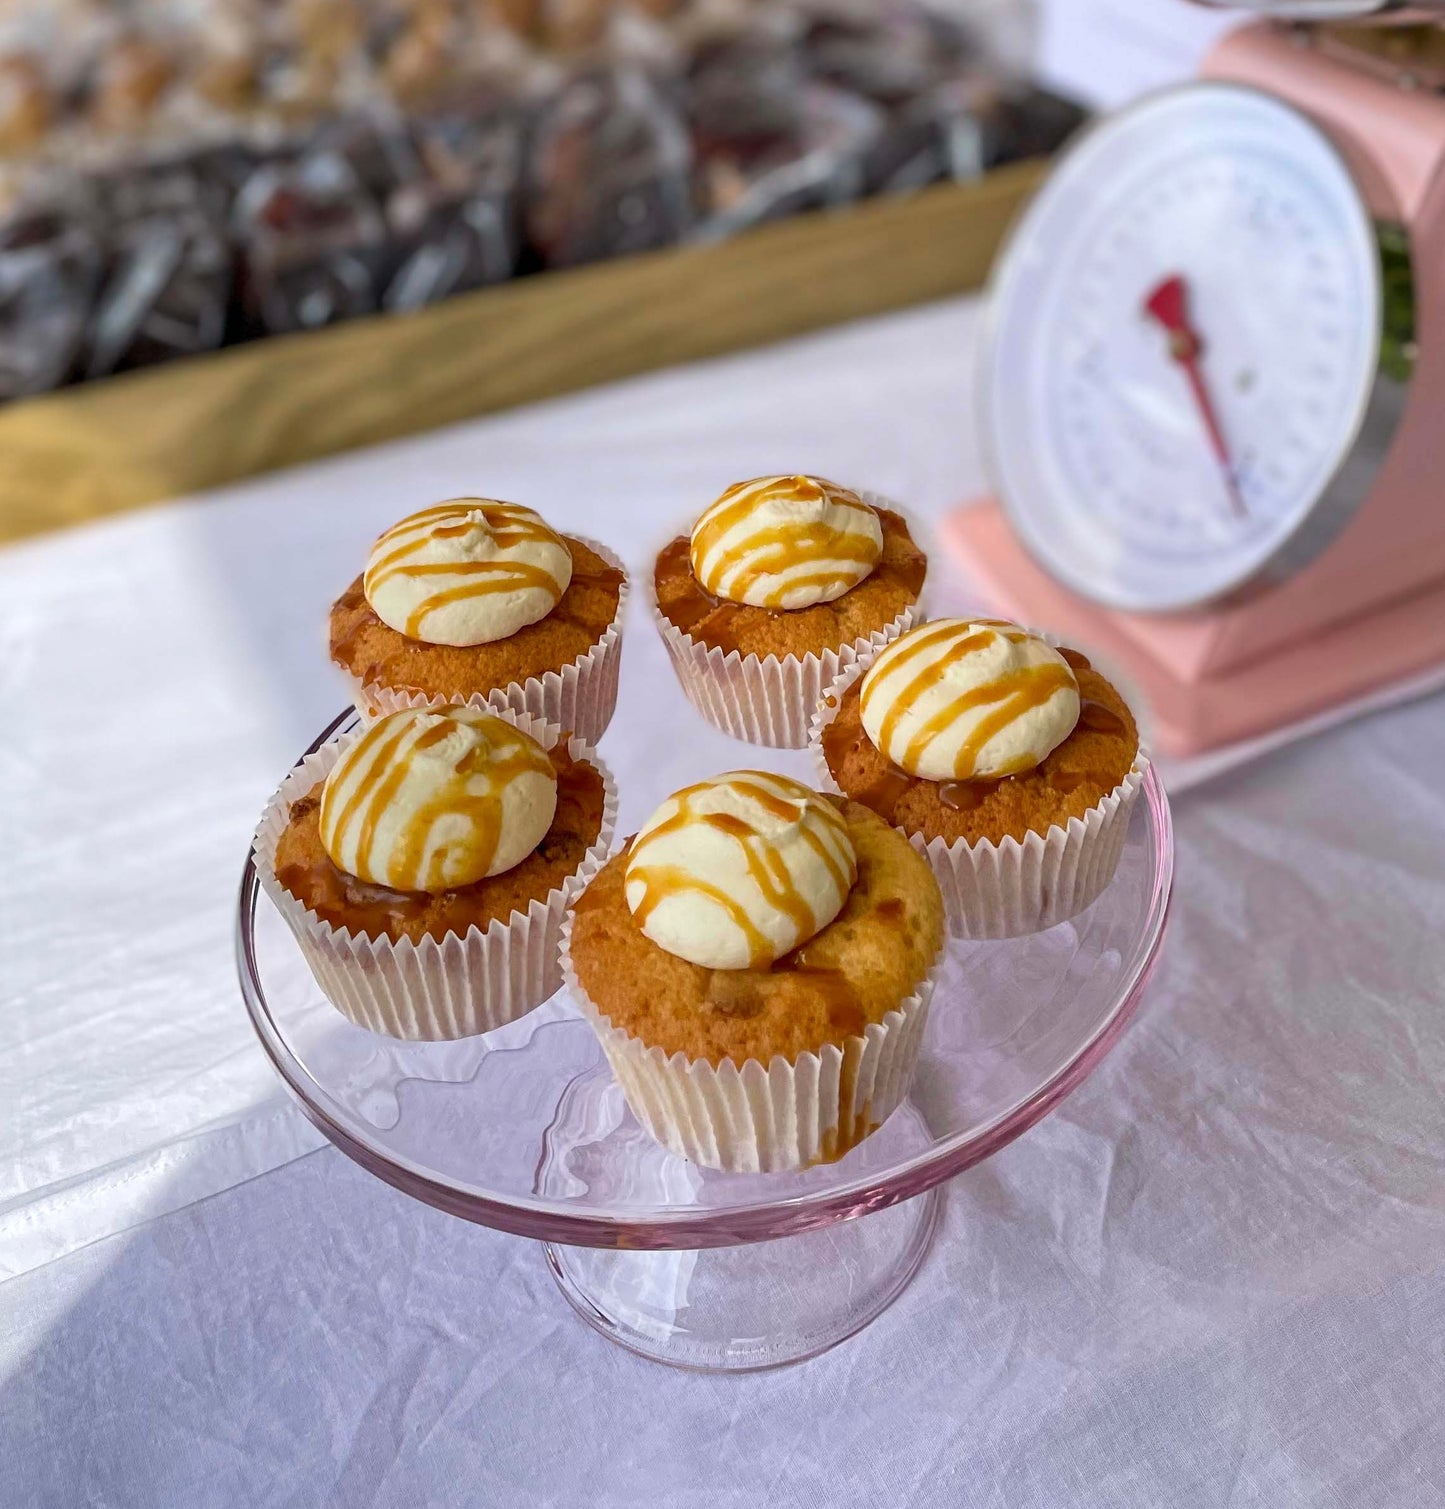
(765, 865)
(854, 1124)
(511, 525)
(506, 754)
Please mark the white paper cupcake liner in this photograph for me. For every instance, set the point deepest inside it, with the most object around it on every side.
(756, 1119)
(435, 989)
(1007, 889)
(769, 701)
(580, 698)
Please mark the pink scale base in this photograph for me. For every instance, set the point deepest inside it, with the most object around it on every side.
(1194, 707)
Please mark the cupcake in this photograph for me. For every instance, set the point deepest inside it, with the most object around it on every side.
(481, 603)
(782, 584)
(1011, 764)
(425, 865)
(758, 964)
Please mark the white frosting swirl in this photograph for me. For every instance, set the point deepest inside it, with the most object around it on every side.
(428, 801)
(734, 872)
(964, 699)
(785, 542)
(467, 572)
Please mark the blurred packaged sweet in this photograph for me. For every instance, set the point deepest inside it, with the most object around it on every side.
(220, 50)
(128, 83)
(522, 18)
(167, 290)
(376, 148)
(571, 26)
(50, 50)
(454, 223)
(227, 77)
(774, 136)
(27, 103)
(183, 173)
(49, 268)
(939, 135)
(745, 91)
(818, 163)
(312, 243)
(890, 55)
(1026, 122)
(610, 170)
(961, 128)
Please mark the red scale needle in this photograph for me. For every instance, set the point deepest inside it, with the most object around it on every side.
(1168, 303)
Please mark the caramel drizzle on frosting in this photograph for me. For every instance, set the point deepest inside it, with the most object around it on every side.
(770, 550)
(1008, 697)
(511, 524)
(819, 822)
(374, 769)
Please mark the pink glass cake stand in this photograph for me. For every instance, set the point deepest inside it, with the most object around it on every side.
(525, 1130)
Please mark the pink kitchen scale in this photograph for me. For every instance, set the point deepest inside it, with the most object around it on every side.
(1214, 388)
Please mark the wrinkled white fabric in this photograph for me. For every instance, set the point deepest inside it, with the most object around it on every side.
(191, 639)
(161, 673)
(1215, 1276)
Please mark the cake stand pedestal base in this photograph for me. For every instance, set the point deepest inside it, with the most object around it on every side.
(749, 1308)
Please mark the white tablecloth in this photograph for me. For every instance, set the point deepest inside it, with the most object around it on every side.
(1216, 1276)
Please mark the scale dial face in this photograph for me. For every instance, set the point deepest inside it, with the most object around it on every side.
(1183, 346)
